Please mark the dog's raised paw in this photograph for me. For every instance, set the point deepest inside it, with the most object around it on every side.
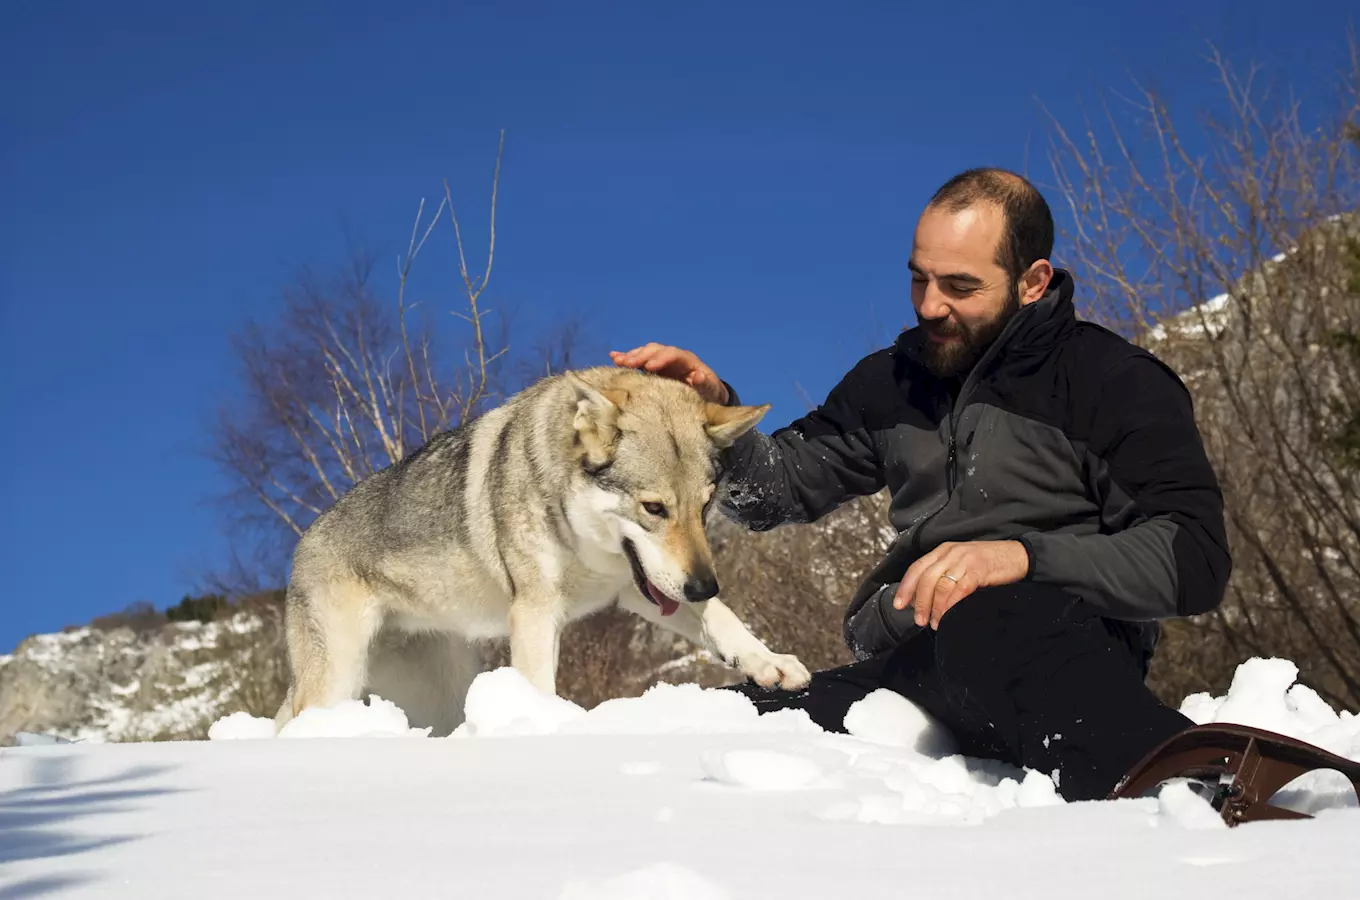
(793, 675)
(776, 669)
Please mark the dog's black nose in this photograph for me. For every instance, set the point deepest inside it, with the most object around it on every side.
(701, 587)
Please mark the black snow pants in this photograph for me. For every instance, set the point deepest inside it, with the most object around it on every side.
(1024, 673)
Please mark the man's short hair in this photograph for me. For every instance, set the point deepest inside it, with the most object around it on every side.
(1028, 231)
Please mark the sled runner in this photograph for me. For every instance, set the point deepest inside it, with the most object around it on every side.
(1246, 766)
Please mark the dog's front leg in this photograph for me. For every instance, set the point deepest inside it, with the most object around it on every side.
(712, 625)
(535, 626)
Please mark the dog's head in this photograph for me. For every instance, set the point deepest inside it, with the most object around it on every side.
(648, 447)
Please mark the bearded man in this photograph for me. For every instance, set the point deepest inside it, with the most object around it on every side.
(1049, 488)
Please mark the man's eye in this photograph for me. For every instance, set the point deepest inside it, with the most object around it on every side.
(655, 509)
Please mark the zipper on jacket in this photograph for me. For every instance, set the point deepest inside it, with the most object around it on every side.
(955, 413)
(951, 463)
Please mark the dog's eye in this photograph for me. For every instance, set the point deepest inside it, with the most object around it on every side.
(655, 509)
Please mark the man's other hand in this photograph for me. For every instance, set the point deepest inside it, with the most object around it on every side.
(950, 572)
(672, 362)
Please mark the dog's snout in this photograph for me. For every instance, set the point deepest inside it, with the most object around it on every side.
(701, 587)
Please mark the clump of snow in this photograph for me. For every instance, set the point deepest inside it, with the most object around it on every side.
(352, 718)
(240, 726)
(1178, 805)
(762, 770)
(908, 789)
(1037, 790)
(659, 881)
(686, 709)
(1264, 694)
(503, 703)
(887, 718)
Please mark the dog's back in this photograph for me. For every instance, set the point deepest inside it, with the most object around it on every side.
(545, 498)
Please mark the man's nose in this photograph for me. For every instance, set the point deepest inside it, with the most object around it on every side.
(933, 307)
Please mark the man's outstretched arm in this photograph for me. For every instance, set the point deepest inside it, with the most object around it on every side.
(800, 472)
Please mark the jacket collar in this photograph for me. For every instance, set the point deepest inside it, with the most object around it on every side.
(1034, 331)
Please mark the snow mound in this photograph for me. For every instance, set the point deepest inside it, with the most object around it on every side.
(659, 881)
(914, 790)
(353, 718)
(687, 709)
(240, 726)
(902, 766)
(887, 718)
(1178, 805)
(350, 719)
(503, 703)
(1264, 694)
(762, 770)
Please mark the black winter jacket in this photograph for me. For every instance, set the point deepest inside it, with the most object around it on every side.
(1064, 436)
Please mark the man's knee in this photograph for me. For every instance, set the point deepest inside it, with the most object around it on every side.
(983, 630)
(966, 640)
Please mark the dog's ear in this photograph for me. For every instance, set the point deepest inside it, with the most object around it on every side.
(727, 423)
(596, 421)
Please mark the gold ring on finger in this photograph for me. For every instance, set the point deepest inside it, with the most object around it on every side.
(950, 577)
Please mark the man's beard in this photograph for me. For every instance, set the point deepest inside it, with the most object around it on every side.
(947, 359)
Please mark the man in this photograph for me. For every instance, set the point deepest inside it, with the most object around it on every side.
(1049, 488)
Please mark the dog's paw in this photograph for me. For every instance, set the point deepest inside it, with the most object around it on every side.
(776, 670)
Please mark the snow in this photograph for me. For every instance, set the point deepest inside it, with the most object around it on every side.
(662, 881)
(1264, 694)
(680, 793)
(761, 770)
(887, 718)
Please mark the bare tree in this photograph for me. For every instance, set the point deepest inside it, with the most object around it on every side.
(1236, 264)
(346, 382)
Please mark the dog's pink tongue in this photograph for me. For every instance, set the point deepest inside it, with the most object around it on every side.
(668, 606)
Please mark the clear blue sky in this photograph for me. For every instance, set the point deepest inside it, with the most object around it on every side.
(738, 178)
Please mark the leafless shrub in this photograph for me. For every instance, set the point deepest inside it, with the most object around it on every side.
(1237, 265)
(346, 381)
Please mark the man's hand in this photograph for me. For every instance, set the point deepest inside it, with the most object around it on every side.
(673, 362)
(950, 572)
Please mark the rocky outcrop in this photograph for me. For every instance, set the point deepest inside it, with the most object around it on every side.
(90, 684)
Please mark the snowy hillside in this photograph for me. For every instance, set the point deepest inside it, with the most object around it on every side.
(117, 685)
(682, 793)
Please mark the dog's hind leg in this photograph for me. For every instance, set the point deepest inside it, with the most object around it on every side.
(426, 674)
(329, 630)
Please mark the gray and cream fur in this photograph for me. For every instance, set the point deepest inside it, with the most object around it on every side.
(586, 489)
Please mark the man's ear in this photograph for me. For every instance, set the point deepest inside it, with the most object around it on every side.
(1034, 283)
(727, 423)
(596, 421)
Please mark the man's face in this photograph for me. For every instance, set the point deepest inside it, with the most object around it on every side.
(963, 297)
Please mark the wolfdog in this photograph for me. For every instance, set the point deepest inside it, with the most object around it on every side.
(587, 488)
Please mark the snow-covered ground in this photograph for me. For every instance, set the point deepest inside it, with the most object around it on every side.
(681, 793)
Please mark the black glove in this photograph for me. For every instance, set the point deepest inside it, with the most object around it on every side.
(877, 627)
